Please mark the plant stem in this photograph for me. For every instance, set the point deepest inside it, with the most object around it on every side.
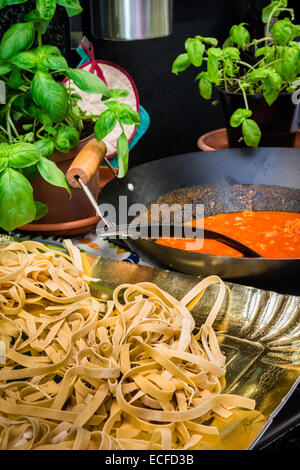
(244, 94)
(39, 31)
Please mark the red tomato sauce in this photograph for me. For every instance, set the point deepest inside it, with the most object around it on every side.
(272, 234)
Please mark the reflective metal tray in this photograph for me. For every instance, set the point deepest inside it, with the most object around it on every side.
(259, 334)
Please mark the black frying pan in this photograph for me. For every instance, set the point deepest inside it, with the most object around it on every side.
(225, 181)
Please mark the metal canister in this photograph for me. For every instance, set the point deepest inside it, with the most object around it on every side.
(127, 20)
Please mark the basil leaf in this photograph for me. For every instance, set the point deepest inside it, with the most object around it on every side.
(195, 51)
(3, 163)
(52, 174)
(88, 82)
(72, 7)
(290, 63)
(17, 38)
(213, 68)
(268, 10)
(25, 60)
(50, 95)
(46, 8)
(45, 146)
(62, 144)
(272, 86)
(105, 124)
(227, 43)
(22, 154)
(231, 53)
(4, 3)
(211, 41)
(69, 133)
(239, 116)
(258, 75)
(123, 154)
(127, 115)
(39, 115)
(240, 35)
(251, 133)
(283, 31)
(205, 86)
(55, 62)
(181, 63)
(15, 79)
(118, 93)
(4, 69)
(16, 200)
(41, 210)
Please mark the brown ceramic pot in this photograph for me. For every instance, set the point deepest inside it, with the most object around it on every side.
(217, 140)
(67, 216)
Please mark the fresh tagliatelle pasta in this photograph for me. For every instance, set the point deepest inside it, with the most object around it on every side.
(81, 374)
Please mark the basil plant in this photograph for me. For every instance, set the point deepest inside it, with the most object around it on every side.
(40, 114)
(276, 68)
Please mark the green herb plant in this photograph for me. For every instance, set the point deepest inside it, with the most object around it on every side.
(276, 67)
(41, 114)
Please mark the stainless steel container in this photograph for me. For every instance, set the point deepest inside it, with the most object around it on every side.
(126, 20)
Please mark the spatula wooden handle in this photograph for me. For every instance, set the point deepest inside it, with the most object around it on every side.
(86, 163)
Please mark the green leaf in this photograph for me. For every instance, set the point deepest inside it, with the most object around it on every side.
(4, 69)
(181, 63)
(16, 200)
(127, 115)
(195, 51)
(211, 41)
(72, 7)
(45, 146)
(231, 53)
(240, 35)
(52, 174)
(272, 86)
(205, 86)
(62, 144)
(54, 62)
(269, 11)
(290, 63)
(3, 163)
(39, 115)
(69, 133)
(4, 3)
(22, 154)
(239, 116)
(227, 43)
(41, 210)
(123, 155)
(251, 133)
(50, 95)
(213, 68)
(15, 79)
(88, 82)
(105, 124)
(118, 93)
(283, 31)
(25, 60)
(17, 38)
(46, 8)
(258, 75)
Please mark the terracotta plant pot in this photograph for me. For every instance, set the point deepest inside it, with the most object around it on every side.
(67, 216)
(217, 140)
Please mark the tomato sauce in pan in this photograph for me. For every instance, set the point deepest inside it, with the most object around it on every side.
(272, 234)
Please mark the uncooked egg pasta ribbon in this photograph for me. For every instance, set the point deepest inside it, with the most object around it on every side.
(84, 374)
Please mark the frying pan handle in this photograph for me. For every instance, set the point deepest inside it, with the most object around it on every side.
(86, 163)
